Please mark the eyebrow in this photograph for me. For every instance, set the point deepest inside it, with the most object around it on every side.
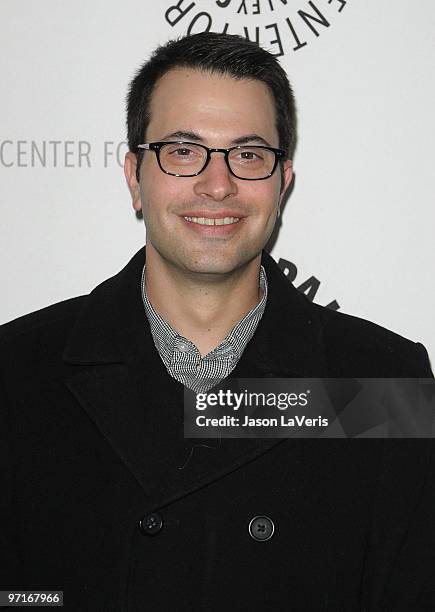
(193, 136)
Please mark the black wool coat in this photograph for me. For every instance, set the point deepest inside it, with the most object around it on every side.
(91, 443)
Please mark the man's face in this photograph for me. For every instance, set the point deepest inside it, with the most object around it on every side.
(216, 111)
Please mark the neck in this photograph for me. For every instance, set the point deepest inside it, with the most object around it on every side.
(202, 308)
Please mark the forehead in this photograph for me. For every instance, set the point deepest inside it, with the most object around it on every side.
(217, 107)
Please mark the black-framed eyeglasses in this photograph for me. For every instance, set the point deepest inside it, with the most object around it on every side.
(184, 159)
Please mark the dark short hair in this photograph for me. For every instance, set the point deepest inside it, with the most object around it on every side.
(227, 54)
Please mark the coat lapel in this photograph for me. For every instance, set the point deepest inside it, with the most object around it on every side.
(288, 342)
(117, 376)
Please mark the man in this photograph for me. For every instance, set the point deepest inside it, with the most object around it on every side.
(102, 497)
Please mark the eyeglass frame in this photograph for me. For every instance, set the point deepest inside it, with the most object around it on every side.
(156, 146)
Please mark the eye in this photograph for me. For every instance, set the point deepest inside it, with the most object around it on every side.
(249, 155)
(182, 151)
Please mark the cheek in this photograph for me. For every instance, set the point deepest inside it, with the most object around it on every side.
(161, 196)
(266, 197)
(154, 187)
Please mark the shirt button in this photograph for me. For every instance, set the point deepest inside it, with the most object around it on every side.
(261, 528)
(183, 347)
(151, 523)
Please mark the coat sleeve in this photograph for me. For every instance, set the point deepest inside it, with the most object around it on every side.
(401, 554)
(9, 574)
(412, 583)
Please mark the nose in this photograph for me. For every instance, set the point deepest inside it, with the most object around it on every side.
(216, 181)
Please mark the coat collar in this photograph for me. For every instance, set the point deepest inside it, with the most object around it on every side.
(117, 376)
(288, 342)
(112, 327)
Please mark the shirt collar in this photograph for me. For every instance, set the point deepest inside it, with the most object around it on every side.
(166, 338)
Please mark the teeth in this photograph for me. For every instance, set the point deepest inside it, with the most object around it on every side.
(209, 221)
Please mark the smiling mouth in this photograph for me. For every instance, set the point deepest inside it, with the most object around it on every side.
(213, 221)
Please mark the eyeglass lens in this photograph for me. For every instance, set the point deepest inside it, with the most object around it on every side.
(189, 159)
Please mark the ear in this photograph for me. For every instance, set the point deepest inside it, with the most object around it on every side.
(287, 176)
(130, 165)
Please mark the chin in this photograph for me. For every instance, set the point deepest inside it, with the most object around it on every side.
(216, 265)
(209, 268)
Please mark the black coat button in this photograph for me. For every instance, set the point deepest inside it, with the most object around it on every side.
(261, 528)
(151, 523)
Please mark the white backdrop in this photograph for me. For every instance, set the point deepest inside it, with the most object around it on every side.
(361, 216)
